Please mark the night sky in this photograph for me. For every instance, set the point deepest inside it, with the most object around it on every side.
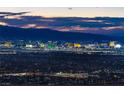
(87, 20)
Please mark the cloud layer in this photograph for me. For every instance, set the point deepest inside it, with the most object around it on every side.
(99, 25)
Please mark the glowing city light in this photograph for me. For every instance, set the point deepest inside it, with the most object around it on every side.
(118, 46)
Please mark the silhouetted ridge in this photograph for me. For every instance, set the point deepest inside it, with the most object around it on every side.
(12, 33)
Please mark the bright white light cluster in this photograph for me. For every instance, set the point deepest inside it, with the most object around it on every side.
(118, 46)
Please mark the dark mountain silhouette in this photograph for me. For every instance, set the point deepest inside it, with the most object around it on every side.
(15, 33)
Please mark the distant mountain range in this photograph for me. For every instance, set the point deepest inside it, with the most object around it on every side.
(15, 33)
